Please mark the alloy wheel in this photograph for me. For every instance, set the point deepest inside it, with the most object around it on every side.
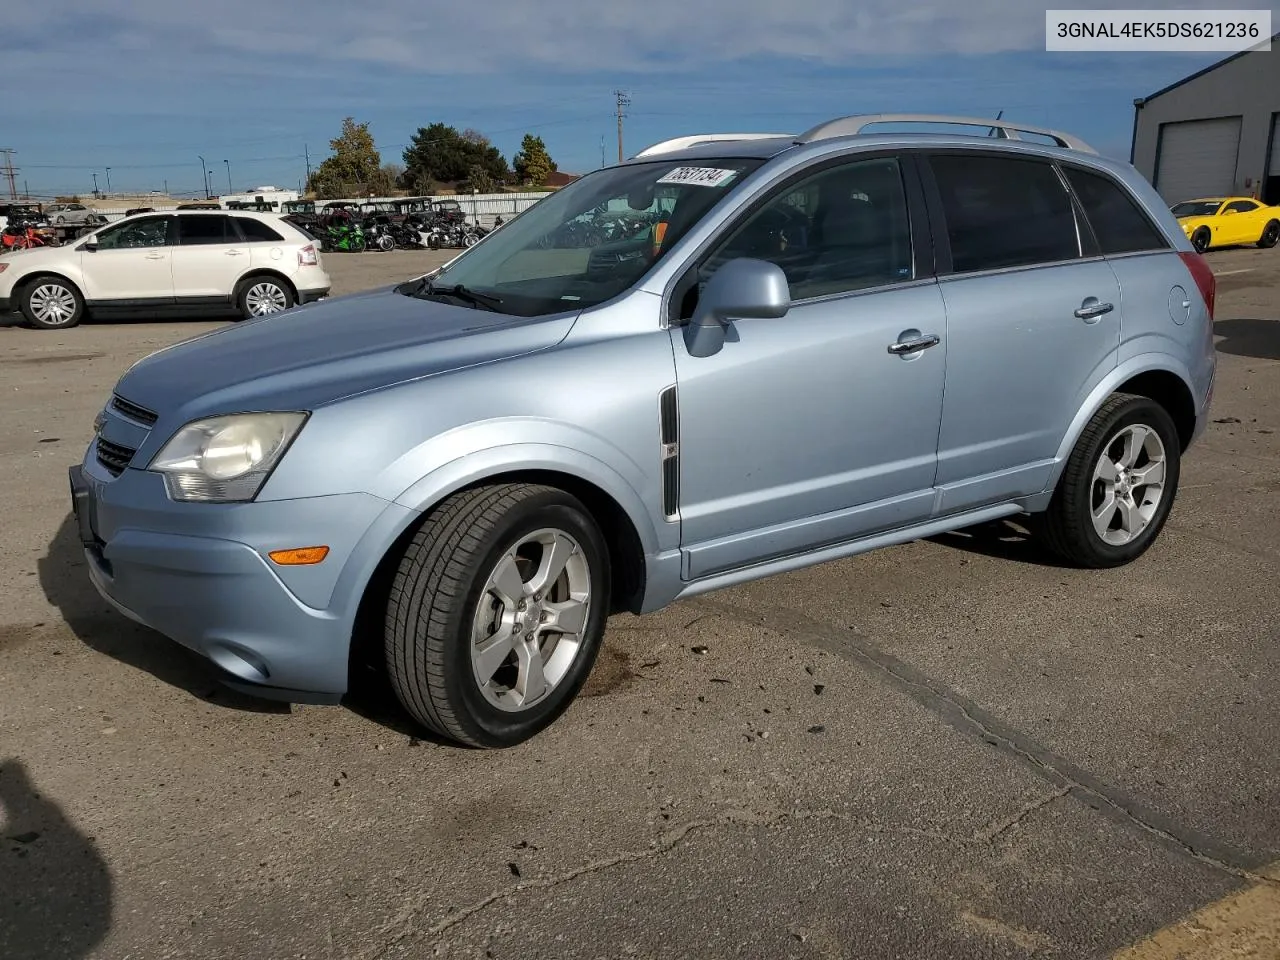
(53, 304)
(1128, 484)
(265, 298)
(530, 618)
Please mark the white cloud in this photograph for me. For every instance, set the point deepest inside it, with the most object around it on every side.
(558, 36)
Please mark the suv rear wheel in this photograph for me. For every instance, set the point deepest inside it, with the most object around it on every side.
(497, 612)
(261, 296)
(1118, 486)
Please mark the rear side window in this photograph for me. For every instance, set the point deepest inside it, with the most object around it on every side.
(1004, 212)
(1117, 221)
(255, 231)
(194, 230)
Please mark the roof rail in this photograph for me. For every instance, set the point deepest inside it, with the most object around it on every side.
(679, 143)
(849, 126)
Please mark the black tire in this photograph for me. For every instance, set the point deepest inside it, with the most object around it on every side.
(59, 219)
(1201, 239)
(35, 290)
(1067, 527)
(250, 292)
(1270, 235)
(433, 601)
(386, 243)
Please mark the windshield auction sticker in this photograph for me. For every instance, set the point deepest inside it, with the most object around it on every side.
(699, 176)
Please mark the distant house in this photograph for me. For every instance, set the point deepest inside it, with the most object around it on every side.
(560, 179)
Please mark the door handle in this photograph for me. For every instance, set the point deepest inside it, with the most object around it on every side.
(915, 344)
(155, 256)
(1092, 310)
(233, 253)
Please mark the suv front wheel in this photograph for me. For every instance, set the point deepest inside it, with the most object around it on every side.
(497, 612)
(1118, 485)
(51, 303)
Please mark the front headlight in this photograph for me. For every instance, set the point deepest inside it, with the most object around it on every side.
(225, 459)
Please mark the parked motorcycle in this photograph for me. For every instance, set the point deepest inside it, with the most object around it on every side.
(343, 234)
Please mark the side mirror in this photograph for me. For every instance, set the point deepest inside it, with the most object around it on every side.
(742, 289)
(90, 245)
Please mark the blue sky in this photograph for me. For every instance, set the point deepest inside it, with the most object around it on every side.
(149, 86)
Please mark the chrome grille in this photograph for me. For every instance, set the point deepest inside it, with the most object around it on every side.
(113, 456)
(131, 410)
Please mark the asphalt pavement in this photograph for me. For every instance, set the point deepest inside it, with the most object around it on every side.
(950, 748)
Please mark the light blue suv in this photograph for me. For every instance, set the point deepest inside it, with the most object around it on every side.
(730, 356)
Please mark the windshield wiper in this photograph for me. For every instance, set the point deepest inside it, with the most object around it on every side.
(457, 291)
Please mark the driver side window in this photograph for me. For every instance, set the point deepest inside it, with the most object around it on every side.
(145, 232)
(844, 228)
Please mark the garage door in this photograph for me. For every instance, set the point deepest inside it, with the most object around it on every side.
(1198, 158)
(1274, 171)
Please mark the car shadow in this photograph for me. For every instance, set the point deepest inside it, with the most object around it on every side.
(65, 581)
(1259, 339)
(1001, 540)
(57, 896)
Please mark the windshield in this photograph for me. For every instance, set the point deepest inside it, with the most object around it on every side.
(1197, 208)
(590, 241)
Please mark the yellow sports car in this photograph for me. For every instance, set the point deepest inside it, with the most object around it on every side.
(1227, 221)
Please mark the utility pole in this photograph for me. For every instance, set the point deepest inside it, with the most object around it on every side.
(10, 171)
(95, 183)
(307, 154)
(623, 102)
(602, 161)
(204, 173)
(228, 163)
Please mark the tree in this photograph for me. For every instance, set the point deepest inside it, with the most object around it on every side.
(533, 164)
(354, 167)
(478, 179)
(440, 154)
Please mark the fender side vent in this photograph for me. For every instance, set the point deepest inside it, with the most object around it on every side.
(669, 429)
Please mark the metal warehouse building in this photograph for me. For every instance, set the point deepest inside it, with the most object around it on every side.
(1214, 133)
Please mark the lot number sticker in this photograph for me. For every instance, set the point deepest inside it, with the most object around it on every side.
(699, 176)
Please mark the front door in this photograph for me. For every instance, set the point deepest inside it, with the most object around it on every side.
(807, 430)
(1242, 224)
(209, 259)
(1033, 326)
(132, 261)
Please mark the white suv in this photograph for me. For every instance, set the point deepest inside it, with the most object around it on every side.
(167, 263)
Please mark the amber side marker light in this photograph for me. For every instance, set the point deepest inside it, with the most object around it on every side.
(299, 556)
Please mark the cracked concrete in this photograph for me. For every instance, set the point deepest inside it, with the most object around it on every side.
(946, 749)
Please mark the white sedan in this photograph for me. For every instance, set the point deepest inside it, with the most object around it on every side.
(194, 262)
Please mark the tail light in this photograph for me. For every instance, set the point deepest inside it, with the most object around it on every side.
(307, 257)
(1204, 278)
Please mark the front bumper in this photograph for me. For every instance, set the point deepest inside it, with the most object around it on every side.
(198, 574)
(311, 296)
(6, 305)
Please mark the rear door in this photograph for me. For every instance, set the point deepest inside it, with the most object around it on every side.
(1033, 323)
(133, 261)
(210, 257)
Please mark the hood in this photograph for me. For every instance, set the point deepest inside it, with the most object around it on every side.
(325, 351)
